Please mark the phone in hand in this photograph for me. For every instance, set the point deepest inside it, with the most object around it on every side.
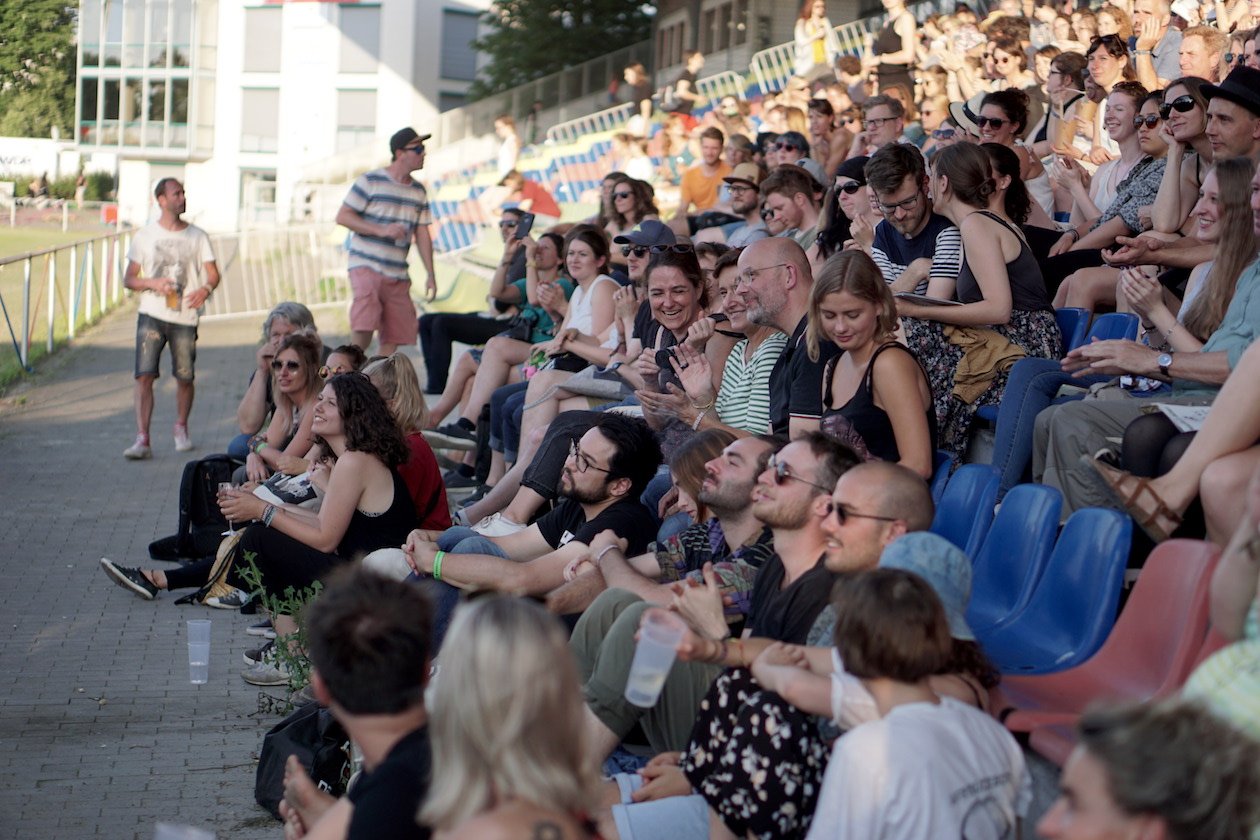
(667, 374)
(525, 225)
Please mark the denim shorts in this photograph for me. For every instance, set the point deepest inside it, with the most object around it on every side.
(152, 335)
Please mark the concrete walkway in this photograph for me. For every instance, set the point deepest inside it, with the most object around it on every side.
(101, 734)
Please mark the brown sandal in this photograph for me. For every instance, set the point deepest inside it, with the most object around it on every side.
(1159, 520)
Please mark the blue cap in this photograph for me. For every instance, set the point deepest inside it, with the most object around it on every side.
(648, 232)
(945, 568)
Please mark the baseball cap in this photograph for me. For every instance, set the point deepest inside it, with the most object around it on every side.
(815, 170)
(648, 232)
(945, 568)
(405, 137)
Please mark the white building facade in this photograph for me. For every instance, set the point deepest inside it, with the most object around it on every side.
(241, 100)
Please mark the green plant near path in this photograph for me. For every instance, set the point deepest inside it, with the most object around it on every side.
(290, 650)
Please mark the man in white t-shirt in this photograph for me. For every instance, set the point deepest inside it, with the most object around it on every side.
(172, 265)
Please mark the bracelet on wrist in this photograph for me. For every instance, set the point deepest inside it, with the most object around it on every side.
(437, 565)
(269, 513)
(695, 424)
(604, 551)
(1075, 234)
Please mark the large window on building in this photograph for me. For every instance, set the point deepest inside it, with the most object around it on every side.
(260, 119)
(360, 39)
(459, 59)
(262, 40)
(356, 118)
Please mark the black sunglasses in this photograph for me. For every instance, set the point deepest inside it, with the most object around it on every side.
(996, 122)
(843, 515)
(622, 194)
(1149, 120)
(784, 147)
(851, 187)
(278, 365)
(783, 473)
(643, 250)
(1181, 105)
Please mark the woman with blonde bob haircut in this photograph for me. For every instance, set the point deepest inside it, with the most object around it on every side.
(879, 403)
(395, 378)
(507, 692)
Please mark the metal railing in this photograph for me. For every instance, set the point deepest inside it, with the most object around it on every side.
(605, 120)
(726, 83)
(260, 268)
(71, 285)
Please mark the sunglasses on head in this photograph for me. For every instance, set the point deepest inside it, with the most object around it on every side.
(327, 372)
(995, 122)
(850, 188)
(1149, 120)
(1181, 105)
(291, 366)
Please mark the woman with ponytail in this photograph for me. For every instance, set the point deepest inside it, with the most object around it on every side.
(1004, 312)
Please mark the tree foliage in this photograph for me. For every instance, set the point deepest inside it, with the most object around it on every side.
(37, 58)
(526, 39)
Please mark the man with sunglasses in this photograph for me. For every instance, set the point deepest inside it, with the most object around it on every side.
(1155, 44)
(913, 245)
(791, 498)
(698, 188)
(606, 472)
(385, 212)
(170, 262)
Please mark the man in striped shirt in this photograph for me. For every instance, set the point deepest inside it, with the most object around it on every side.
(385, 211)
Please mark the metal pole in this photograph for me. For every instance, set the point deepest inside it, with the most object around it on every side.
(74, 292)
(50, 268)
(26, 311)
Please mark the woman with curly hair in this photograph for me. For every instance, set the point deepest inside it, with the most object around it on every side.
(366, 507)
(506, 726)
(632, 202)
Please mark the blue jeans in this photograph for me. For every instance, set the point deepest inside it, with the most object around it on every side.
(1030, 389)
(238, 448)
(499, 414)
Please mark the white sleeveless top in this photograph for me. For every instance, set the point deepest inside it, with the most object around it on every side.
(580, 306)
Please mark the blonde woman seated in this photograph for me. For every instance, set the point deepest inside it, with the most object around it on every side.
(295, 384)
(505, 719)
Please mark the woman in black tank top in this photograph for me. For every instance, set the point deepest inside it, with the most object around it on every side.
(1004, 314)
(876, 397)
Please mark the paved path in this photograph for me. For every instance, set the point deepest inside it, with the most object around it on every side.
(101, 734)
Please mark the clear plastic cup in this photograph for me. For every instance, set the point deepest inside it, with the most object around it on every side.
(659, 635)
(198, 663)
(199, 631)
(169, 831)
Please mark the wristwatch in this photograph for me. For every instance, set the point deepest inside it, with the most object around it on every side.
(1165, 362)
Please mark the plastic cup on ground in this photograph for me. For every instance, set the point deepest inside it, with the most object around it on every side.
(199, 631)
(169, 831)
(198, 663)
(659, 635)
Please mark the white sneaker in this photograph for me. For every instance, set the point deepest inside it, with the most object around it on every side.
(497, 525)
(183, 442)
(267, 672)
(139, 450)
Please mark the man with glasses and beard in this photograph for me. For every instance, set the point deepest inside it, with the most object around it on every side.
(912, 245)
(607, 470)
(385, 212)
(792, 498)
(745, 201)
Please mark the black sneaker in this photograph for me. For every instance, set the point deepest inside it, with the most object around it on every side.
(455, 481)
(477, 496)
(131, 579)
(255, 655)
(452, 436)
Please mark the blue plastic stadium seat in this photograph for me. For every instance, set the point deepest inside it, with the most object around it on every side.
(1074, 605)
(1114, 325)
(1073, 325)
(1014, 555)
(942, 465)
(965, 512)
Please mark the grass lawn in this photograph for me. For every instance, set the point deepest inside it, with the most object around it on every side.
(16, 242)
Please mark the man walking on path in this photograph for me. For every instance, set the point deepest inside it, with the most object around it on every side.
(385, 210)
(172, 265)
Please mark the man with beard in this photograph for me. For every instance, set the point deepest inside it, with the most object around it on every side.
(912, 245)
(606, 472)
(792, 498)
(741, 185)
(733, 539)
(774, 283)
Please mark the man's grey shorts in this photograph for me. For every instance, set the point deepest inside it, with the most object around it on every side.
(152, 335)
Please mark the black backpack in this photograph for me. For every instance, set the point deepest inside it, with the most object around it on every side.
(320, 744)
(201, 525)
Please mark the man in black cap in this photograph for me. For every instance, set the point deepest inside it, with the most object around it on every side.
(636, 246)
(386, 211)
(1233, 112)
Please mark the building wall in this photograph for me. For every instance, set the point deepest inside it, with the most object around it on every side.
(270, 79)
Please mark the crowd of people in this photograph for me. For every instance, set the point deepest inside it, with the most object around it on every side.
(723, 396)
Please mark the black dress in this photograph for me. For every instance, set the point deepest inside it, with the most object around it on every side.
(888, 41)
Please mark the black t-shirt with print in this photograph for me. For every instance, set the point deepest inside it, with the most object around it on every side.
(627, 519)
(386, 800)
